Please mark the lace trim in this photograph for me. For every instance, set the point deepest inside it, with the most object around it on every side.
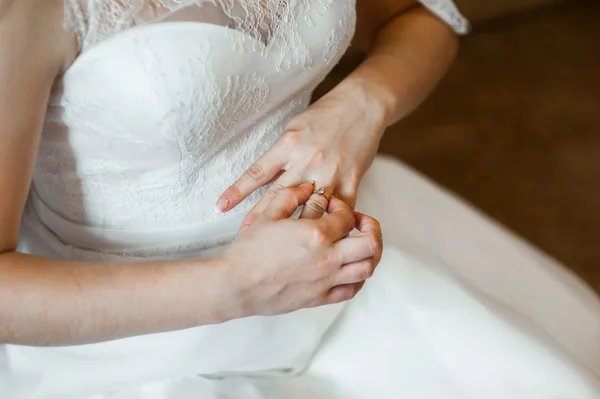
(95, 20)
(92, 21)
(449, 13)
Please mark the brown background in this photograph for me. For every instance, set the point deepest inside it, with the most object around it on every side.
(515, 127)
(481, 10)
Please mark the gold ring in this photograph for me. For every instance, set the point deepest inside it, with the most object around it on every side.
(321, 191)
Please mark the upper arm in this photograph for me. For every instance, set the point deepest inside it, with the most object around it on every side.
(373, 14)
(33, 51)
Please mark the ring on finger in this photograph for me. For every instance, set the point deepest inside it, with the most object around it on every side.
(321, 191)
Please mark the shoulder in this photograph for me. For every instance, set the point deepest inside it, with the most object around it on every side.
(37, 25)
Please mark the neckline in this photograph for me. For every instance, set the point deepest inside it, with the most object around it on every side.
(128, 33)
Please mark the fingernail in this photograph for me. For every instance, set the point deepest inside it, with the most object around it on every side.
(222, 204)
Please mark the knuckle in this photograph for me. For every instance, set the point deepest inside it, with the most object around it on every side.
(330, 262)
(316, 206)
(294, 202)
(377, 226)
(318, 237)
(318, 155)
(284, 191)
(255, 172)
(271, 194)
(275, 188)
(375, 245)
(235, 191)
(289, 196)
(336, 296)
(368, 271)
(290, 138)
(350, 293)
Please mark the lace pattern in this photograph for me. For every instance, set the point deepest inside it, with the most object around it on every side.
(144, 133)
(447, 11)
(95, 20)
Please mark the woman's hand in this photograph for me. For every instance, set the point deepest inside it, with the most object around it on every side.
(279, 265)
(332, 143)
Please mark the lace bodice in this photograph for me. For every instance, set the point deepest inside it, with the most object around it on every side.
(154, 120)
(95, 20)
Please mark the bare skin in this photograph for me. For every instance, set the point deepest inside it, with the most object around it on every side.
(57, 302)
(54, 302)
(335, 140)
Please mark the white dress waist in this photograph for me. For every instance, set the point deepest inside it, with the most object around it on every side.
(46, 233)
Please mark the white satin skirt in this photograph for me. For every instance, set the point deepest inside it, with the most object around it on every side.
(458, 308)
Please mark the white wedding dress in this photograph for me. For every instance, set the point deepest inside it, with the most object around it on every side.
(154, 120)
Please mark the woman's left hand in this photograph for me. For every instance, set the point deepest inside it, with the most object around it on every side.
(332, 143)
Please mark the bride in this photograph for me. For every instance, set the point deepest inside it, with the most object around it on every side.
(124, 122)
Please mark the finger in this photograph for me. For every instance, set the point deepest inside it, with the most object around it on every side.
(339, 222)
(343, 293)
(259, 174)
(315, 207)
(286, 180)
(355, 272)
(358, 247)
(287, 201)
(371, 227)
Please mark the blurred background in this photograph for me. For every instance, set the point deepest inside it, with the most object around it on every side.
(514, 129)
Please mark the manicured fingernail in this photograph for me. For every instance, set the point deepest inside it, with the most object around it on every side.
(222, 204)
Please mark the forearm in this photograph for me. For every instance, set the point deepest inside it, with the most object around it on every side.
(407, 59)
(51, 302)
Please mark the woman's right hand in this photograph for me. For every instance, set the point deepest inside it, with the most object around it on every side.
(279, 265)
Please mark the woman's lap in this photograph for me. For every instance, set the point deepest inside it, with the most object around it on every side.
(420, 218)
(415, 332)
(458, 308)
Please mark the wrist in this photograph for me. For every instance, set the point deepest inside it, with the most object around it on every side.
(211, 294)
(228, 287)
(373, 99)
